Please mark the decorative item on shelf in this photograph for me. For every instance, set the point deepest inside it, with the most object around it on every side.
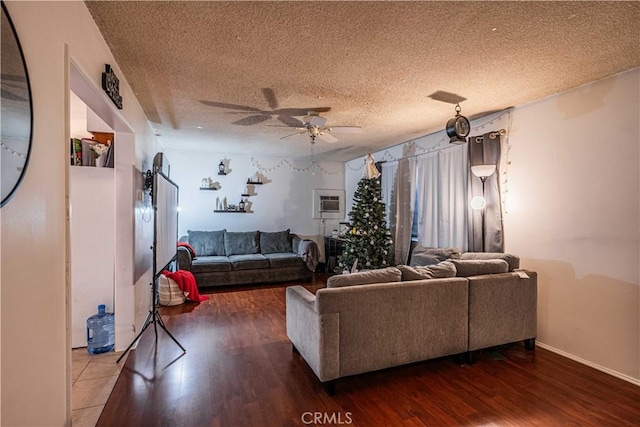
(241, 205)
(76, 152)
(94, 153)
(458, 128)
(208, 184)
(343, 228)
(255, 179)
(222, 170)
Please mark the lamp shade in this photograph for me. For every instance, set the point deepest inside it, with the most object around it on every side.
(483, 171)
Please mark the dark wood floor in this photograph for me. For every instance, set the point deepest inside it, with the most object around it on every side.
(239, 370)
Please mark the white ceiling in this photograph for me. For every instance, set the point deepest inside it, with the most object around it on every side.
(217, 75)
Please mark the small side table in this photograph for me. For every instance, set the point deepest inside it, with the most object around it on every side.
(333, 247)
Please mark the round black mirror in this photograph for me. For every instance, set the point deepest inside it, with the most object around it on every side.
(16, 119)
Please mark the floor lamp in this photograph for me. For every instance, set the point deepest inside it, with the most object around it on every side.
(479, 202)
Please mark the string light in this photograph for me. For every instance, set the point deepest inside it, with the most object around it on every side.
(310, 168)
(506, 149)
(443, 143)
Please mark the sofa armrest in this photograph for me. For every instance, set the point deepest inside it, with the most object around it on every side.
(502, 308)
(184, 258)
(315, 336)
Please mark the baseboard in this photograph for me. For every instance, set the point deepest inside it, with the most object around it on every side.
(611, 372)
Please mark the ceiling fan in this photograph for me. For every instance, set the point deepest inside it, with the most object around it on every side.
(283, 115)
(314, 126)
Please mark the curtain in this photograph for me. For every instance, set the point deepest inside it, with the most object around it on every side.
(485, 225)
(388, 170)
(398, 193)
(442, 198)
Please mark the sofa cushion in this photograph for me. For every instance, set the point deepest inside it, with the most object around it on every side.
(422, 255)
(208, 264)
(512, 260)
(472, 267)
(241, 243)
(207, 243)
(284, 260)
(441, 270)
(380, 275)
(249, 261)
(275, 242)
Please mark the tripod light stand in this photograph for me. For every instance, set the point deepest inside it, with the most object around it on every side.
(152, 318)
(164, 194)
(479, 202)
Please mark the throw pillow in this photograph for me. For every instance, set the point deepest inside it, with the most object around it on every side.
(381, 275)
(441, 270)
(468, 268)
(242, 243)
(276, 242)
(169, 292)
(422, 255)
(207, 243)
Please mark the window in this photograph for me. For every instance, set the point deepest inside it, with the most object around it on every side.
(328, 204)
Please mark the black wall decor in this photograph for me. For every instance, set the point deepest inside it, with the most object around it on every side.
(111, 85)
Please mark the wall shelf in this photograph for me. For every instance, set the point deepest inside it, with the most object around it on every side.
(208, 189)
(255, 182)
(228, 211)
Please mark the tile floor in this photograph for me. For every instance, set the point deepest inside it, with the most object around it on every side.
(93, 378)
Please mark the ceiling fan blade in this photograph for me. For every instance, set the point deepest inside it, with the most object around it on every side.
(251, 120)
(345, 129)
(270, 96)
(296, 133)
(230, 106)
(327, 137)
(290, 121)
(316, 121)
(299, 112)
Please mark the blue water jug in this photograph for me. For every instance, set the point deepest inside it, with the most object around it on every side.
(101, 333)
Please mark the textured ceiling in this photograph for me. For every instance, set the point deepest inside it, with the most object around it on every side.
(233, 68)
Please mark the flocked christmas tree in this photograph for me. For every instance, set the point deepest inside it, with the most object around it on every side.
(368, 241)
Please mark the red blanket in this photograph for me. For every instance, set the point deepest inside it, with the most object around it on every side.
(188, 246)
(187, 284)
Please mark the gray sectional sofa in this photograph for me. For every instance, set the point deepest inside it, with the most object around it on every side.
(249, 257)
(395, 316)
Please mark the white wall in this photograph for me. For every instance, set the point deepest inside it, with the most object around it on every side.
(92, 245)
(284, 201)
(35, 367)
(572, 214)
